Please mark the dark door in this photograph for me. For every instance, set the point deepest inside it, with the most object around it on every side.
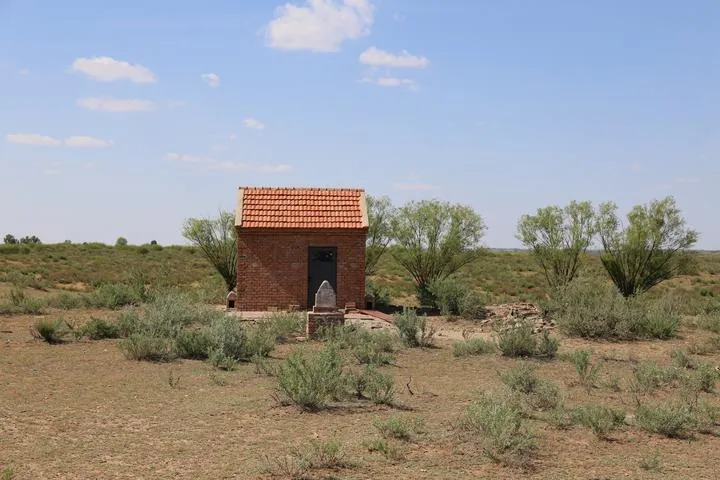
(322, 265)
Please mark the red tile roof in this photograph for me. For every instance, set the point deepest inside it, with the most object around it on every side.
(301, 208)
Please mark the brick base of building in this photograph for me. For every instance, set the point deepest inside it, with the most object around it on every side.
(316, 321)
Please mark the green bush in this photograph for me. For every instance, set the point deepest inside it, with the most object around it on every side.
(379, 294)
(414, 330)
(66, 301)
(598, 311)
(194, 343)
(519, 341)
(50, 331)
(709, 321)
(228, 339)
(19, 303)
(372, 384)
(393, 427)
(649, 377)
(473, 346)
(98, 329)
(674, 421)
(374, 348)
(311, 381)
(128, 322)
(587, 373)
(600, 419)
(499, 424)
(454, 297)
(260, 340)
(116, 295)
(139, 346)
(285, 325)
(521, 378)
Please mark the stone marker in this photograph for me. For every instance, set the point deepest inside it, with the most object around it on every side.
(325, 312)
(230, 299)
(325, 298)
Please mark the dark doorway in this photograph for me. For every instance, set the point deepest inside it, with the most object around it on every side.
(322, 265)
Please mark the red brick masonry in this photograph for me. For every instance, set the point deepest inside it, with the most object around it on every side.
(272, 266)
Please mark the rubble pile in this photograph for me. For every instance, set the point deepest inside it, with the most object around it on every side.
(511, 315)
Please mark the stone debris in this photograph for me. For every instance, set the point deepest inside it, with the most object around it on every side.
(511, 315)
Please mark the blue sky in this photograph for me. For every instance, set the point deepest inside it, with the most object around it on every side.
(125, 118)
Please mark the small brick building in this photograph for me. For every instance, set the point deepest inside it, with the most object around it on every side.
(291, 239)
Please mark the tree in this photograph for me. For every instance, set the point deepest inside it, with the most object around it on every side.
(216, 239)
(30, 240)
(380, 217)
(121, 242)
(649, 250)
(558, 238)
(10, 239)
(434, 240)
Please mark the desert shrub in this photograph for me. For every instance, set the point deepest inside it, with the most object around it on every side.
(498, 421)
(19, 303)
(128, 322)
(51, 331)
(393, 427)
(140, 346)
(600, 419)
(312, 455)
(702, 379)
(709, 321)
(218, 358)
(260, 340)
(166, 315)
(372, 384)
(587, 373)
(115, 295)
(651, 463)
(519, 341)
(66, 301)
(674, 421)
(597, 310)
(473, 346)
(285, 324)
(228, 339)
(390, 450)
(649, 377)
(311, 381)
(681, 359)
(98, 329)
(547, 345)
(545, 397)
(521, 378)
(374, 348)
(414, 329)
(7, 473)
(454, 297)
(194, 343)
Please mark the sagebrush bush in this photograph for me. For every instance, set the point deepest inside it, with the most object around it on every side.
(98, 329)
(194, 343)
(587, 373)
(521, 378)
(311, 380)
(474, 346)
(285, 325)
(414, 329)
(673, 421)
(51, 331)
(140, 346)
(372, 384)
(597, 310)
(498, 422)
(519, 341)
(116, 295)
(19, 303)
(600, 419)
(393, 427)
(649, 377)
(454, 297)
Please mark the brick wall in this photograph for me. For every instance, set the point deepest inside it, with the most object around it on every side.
(272, 267)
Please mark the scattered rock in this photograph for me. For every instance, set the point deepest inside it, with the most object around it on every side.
(512, 315)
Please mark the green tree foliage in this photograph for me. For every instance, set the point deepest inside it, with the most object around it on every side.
(121, 242)
(381, 214)
(649, 250)
(30, 240)
(558, 238)
(434, 240)
(10, 239)
(216, 239)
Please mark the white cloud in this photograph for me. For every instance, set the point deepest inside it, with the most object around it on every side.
(226, 165)
(320, 25)
(415, 186)
(211, 79)
(391, 82)
(32, 139)
(76, 141)
(82, 141)
(244, 167)
(107, 69)
(380, 58)
(182, 158)
(253, 124)
(116, 105)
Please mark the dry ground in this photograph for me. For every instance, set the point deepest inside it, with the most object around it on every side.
(80, 410)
